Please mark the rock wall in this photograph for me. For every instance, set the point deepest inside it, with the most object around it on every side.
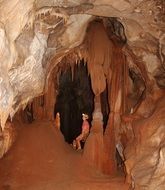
(145, 152)
(7, 137)
(36, 29)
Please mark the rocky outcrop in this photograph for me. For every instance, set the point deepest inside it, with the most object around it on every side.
(145, 151)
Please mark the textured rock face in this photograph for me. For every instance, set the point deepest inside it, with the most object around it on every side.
(36, 34)
(7, 138)
(145, 153)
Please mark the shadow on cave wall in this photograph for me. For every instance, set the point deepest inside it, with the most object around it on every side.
(74, 98)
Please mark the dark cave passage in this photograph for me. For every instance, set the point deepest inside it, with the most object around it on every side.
(74, 98)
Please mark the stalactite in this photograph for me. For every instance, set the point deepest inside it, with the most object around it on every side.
(99, 55)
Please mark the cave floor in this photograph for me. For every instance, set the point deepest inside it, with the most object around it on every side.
(41, 160)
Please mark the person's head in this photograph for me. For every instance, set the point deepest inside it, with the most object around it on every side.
(57, 114)
(85, 116)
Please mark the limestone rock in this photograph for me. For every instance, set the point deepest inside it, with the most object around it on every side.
(7, 138)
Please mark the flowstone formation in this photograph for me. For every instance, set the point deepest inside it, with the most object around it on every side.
(37, 35)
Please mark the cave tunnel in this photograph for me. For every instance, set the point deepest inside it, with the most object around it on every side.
(73, 86)
(75, 97)
(104, 63)
(72, 82)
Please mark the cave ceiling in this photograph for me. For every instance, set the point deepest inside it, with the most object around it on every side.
(36, 34)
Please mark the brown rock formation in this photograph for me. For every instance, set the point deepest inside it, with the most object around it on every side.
(123, 43)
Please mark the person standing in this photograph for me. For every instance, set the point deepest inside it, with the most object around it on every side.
(84, 133)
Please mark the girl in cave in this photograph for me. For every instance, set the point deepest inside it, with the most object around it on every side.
(84, 133)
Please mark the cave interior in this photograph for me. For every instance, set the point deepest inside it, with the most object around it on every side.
(118, 83)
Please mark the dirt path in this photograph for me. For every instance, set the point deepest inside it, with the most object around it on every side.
(41, 160)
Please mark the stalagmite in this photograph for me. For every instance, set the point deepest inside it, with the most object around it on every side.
(93, 153)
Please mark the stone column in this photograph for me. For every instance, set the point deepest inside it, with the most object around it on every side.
(93, 150)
